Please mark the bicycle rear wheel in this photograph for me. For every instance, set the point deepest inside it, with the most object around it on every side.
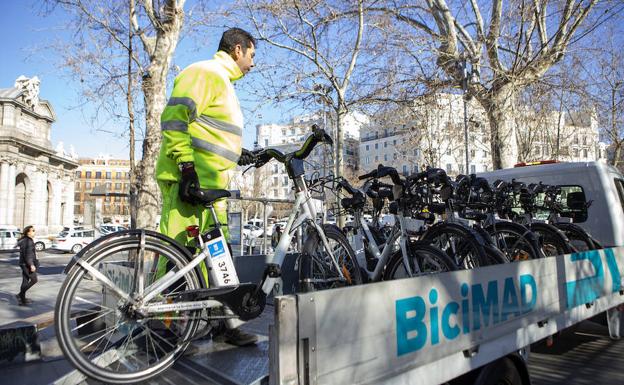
(317, 271)
(553, 241)
(96, 327)
(514, 240)
(464, 246)
(578, 237)
(423, 258)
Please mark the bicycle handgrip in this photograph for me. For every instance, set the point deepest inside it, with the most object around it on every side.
(371, 174)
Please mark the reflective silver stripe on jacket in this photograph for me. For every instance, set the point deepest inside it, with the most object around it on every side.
(174, 125)
(220, 125)
(188, 102)
(206, 146)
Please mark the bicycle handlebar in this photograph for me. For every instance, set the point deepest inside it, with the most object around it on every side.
(383, 171)
(318, 136)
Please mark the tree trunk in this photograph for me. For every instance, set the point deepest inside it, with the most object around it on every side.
(498, 105)
(154, 92)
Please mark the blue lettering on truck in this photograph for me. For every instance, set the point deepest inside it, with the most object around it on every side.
(589, 289)
(483, 308)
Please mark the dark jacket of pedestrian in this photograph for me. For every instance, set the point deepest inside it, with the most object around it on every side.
(28, 255)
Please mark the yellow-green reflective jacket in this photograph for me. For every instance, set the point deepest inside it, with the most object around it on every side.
(202, 122)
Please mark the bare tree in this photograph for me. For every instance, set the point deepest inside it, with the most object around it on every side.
(515, 47)
(98, 54)
(320, 53)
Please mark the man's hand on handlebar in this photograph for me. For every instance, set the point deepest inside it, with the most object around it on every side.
(247, 157)
(189, 182)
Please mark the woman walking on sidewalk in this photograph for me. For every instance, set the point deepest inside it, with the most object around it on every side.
(28, 263)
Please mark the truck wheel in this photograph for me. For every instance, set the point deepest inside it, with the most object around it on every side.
(499, 372)
(39, 246)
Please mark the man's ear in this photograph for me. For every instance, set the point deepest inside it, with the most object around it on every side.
(238, 51)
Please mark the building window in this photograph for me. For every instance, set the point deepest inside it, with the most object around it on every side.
(416, 152)
(117, 186)
(87, 185)
(285, 192)
(376, 158)
(274, 193)
(376, 146)
(275, 168)
(367, 147)
(576, 152)
(118, 175)
(385, 157)
(404, 169)
(88, 174)
(77, 185)
(266, 143)
(415, 168)
(275, 181)
(98, 175)
(108, 174)
(78, 174)
(367, 160)
(472, 153)
(394, 142)
(473, 169)
(285, 181)
(395, 156)
(385, 144)
(584, 153)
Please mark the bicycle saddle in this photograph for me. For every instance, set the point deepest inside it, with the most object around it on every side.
(207, 196)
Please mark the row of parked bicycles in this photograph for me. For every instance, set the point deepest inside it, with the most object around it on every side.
(443, 224)
(121, 319)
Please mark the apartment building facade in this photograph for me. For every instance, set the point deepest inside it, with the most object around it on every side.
(102, 185)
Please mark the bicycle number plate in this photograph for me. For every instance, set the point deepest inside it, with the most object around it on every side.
(222, 271)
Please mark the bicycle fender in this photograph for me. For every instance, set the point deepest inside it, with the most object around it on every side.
(101, 242)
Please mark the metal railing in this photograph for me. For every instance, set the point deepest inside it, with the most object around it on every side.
(262, 244)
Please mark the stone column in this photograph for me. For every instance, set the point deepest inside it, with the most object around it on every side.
(69, 203)
(4, 191)
(56, 199)
(11, 193)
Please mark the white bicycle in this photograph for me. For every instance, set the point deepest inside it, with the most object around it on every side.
(117, 321)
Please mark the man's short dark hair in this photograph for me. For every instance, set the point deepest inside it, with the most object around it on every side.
(234, 36)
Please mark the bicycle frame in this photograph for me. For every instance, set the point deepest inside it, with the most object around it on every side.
(303, 211)
(398, 232)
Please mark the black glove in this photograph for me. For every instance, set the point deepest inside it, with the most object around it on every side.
(247, 157)
(188, 182)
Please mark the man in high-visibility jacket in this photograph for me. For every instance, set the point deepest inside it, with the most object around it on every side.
(202, 128)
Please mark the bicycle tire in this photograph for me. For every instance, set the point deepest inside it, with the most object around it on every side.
(131, 333)
(578, 237)
(516, 241)
(314, 261)
(430, 260)
(463, 245)
(552, 240)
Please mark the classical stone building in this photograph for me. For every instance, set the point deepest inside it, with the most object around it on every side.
(36, 181)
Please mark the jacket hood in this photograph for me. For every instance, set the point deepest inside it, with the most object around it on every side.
(230, 66)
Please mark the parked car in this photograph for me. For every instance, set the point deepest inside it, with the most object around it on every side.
(110, 228)
(9, 237)
(42, 242)
(73, 240)
(251, 231)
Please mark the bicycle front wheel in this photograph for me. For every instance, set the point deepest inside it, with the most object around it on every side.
(423, 259)
(97, 328)
(319, 271)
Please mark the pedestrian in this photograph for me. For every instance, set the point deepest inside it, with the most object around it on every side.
(275, 237)
(202, 127)
(28, 263)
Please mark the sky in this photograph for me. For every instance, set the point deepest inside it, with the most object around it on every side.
(25, 33)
